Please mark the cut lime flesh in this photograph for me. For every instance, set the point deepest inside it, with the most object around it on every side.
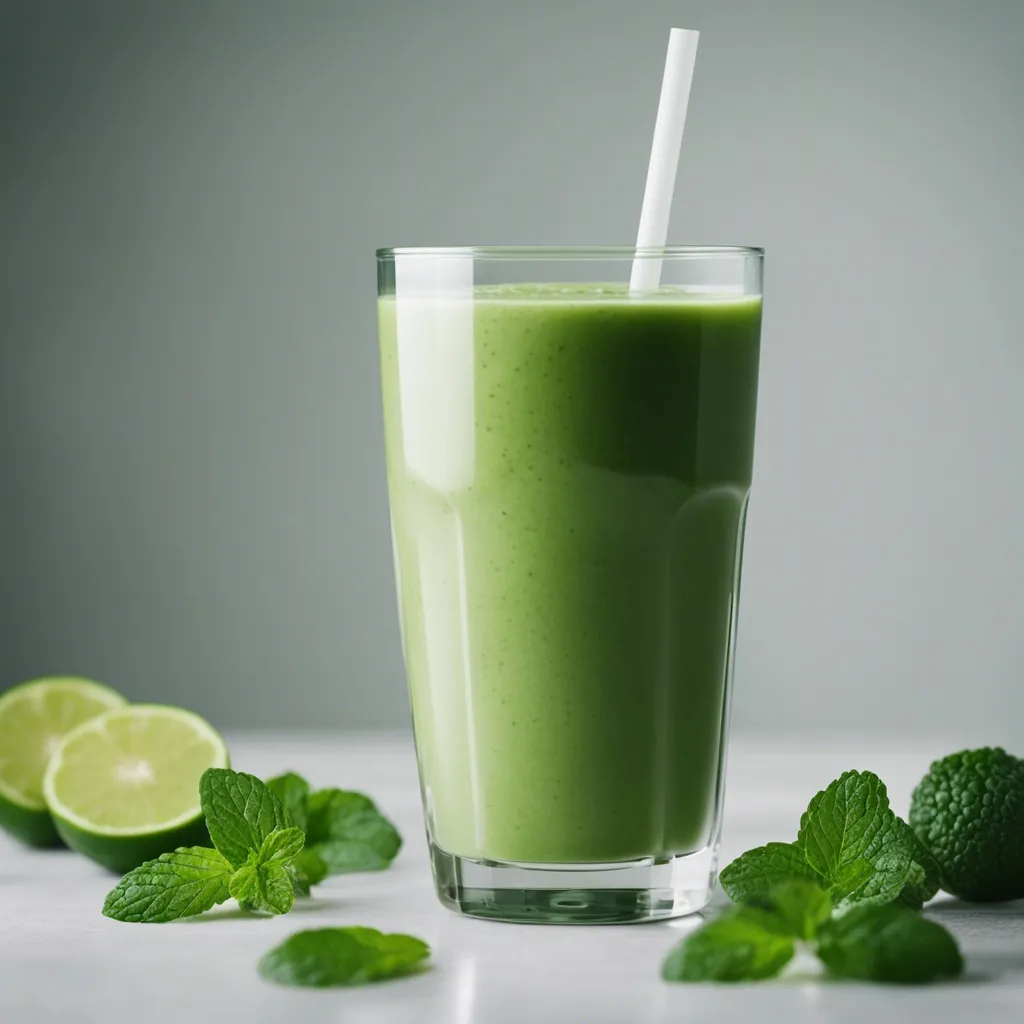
(124, 787)
(34, 719)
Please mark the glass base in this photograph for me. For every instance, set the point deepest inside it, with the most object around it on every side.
(620, 893)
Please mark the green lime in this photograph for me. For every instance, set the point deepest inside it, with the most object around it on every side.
(34, 718)
(124, 787)
(969, 812)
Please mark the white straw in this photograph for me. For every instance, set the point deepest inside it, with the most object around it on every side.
(661, 171)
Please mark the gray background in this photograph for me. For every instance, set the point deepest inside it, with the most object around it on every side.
(193, 502)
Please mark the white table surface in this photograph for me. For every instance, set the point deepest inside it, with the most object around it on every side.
(60, 960)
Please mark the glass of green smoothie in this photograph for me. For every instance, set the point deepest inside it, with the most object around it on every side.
(569, 465)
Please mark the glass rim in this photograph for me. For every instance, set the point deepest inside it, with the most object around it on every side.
(571, 252)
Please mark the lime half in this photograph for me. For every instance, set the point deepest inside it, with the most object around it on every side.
(34, 718)
(124, 787)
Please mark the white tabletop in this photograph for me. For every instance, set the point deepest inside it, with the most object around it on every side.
(60, 960)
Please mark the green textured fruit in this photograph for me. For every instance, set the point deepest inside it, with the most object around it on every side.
(969, 812)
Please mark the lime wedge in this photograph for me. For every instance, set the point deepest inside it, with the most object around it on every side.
(34, 718)
(124, 787)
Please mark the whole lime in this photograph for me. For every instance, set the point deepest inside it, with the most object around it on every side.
(969, 812)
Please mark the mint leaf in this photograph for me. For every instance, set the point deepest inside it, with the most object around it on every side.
(283, 845)
(245, 882)
(891, 861)
(263, 887)
(923, 878)
(851, 877)
(293, 792)
(308, 869)
(186, 882)
(348, 832)
(848, 822)
(240, 812)
(755, 873)
(741, 945)
(842, 821)
(798, 908)
(890, 943)
(300, 883)
(327, 805)
(326, 957)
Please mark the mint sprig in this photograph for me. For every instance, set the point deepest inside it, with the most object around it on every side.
(253, 860)
(849, 887)
(326, 957)
(273, 840)
(850, 843)
(869, 941)
(189, 881)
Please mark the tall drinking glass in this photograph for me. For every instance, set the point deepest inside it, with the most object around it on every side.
(569, 465)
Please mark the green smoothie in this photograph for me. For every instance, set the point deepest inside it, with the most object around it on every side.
(569, 470)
